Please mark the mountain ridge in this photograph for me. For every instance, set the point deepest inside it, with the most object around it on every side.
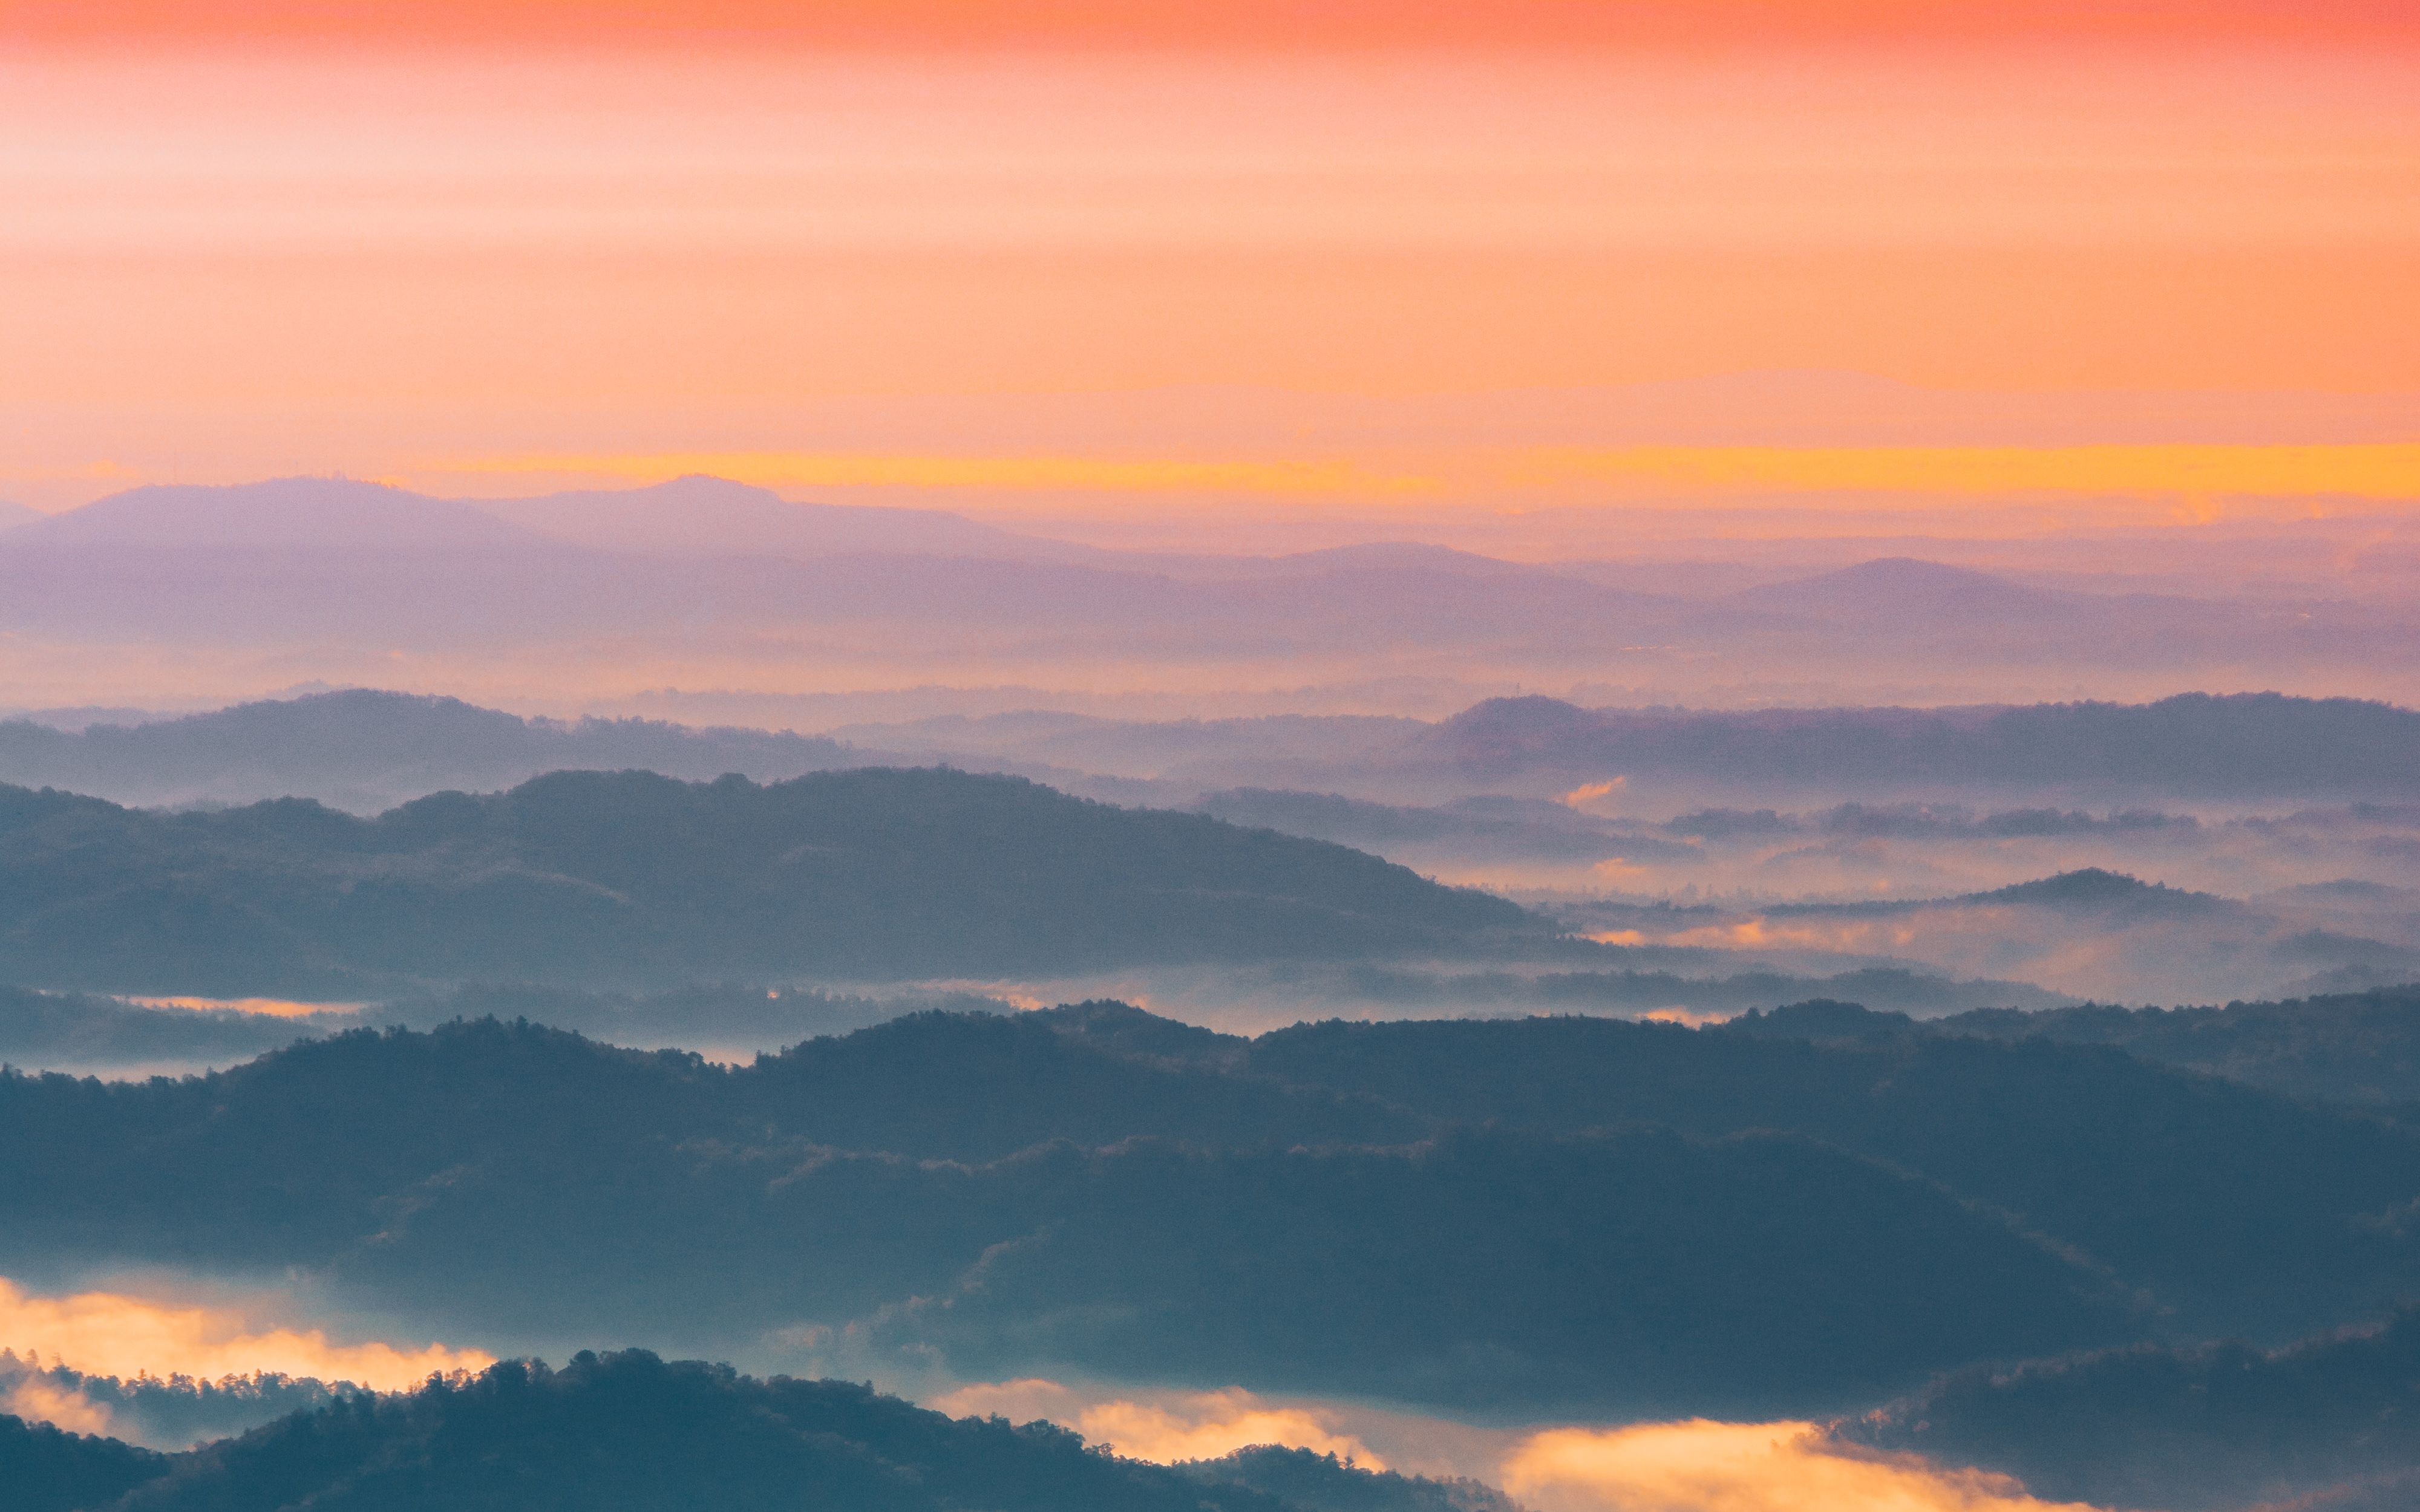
(623, 878)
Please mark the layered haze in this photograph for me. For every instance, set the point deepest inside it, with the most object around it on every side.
(723, 603)
(902, 755)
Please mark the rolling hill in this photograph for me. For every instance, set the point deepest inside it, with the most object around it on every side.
(631, 1433)
(630, 879)
(1555, 1215)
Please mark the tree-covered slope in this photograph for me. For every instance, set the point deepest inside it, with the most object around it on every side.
(2326, 1422)
(2358, 1048)
(629, 1432)
(624, 877)
(45, 1469)
(2228, 1208)
(1659, 1219)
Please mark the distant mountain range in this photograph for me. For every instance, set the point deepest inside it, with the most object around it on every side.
(335, 565)
(308, 557)
(686, 516)
(364, 751)
(703, 516)
(2194, 745)
(2085, 932)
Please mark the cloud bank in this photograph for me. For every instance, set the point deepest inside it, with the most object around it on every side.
(108, 1333)
(1167, 1427)
(1700, 1466)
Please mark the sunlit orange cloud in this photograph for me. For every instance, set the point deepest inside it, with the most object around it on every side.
(107, 1334)
(1743, 1467)
(37, 1400)
(1166, 1426)
(1686, 1017)
(266, 1007)
(1694, 1466)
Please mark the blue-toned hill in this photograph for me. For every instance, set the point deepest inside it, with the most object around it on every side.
(621, 878)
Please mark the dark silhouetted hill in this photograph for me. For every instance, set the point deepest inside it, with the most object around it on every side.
(1659, 1220)
(1822, 1021)
(2351, 1047)
(2326, 1423)
(2134, 1165)
(1322, 1483)
(45, 1470)
(1222, 1227)
(173, 1411)
(1632, 1271)
(622, 878)
(2358, 1048)
(631, 1433)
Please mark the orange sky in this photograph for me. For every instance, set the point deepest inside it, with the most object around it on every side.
(1247, 24)
(436, 242)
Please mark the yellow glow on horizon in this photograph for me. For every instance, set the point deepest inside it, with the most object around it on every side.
(2138, 484)
(2365, 471)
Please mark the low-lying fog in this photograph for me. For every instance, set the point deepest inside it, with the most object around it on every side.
(1928, 862)
(170, 1360)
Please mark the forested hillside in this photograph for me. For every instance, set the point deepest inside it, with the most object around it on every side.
(625, 878)
(1571, 1214)
(631, 1433)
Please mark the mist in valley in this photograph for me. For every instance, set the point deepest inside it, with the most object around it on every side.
(1267, 1063)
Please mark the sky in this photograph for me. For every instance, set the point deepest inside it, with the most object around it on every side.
(1174, 276)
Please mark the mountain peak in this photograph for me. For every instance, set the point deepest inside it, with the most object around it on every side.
(1900, 588)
